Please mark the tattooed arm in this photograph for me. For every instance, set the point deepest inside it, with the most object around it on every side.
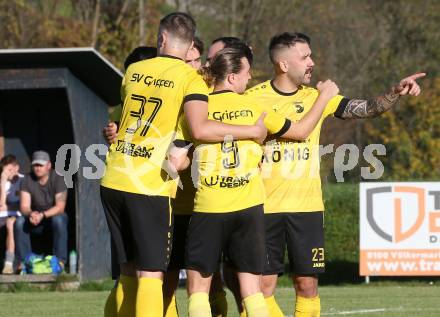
(60, 205)
(358, 108)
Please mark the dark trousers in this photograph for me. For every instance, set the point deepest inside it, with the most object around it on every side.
(23, 230)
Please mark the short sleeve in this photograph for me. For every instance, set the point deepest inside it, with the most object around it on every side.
(196, 89)
(276, 124)
(60, 186)
(24, 186)
(334, 105)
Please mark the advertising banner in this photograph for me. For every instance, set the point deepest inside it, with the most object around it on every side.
(399, 229)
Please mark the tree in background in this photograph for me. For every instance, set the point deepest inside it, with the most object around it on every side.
(111, 26)
(411, 132)
(364, 45)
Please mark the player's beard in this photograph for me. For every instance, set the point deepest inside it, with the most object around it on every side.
(307, 76)
(297, 78)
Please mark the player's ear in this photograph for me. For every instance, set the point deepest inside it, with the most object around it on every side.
(161, 39)
(283, 66)
(231, 78)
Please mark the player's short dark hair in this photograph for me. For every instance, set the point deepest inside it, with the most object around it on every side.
(227, 40)
(286, 39)
(180, 25)
(198, 45)
(140, 53)
(227, 61)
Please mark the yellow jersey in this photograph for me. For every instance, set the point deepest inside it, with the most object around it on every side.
(291, 169)
(227, 174)
(153, 92)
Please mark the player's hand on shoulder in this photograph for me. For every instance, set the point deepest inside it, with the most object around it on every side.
(261, 130)
(327, 88)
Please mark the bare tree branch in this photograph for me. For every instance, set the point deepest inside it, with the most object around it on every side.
(177, 4)
(122, 12)
(96, 19)
(141, 23)
(233, 30)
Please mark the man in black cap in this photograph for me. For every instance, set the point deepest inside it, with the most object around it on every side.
(43, 196)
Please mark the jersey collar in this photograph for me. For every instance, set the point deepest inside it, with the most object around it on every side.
(169, 56)
(220, 92)
(283, 93)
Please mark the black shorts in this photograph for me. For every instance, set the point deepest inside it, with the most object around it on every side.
(116, 270)
(140, 228)
(177, 260)
(239, 235)
(303, 234)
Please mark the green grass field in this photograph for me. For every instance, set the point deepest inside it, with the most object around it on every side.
(361, 300)
(391, 296)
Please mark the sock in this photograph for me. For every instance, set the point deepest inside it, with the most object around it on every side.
(256, 306)
(198, 305)
(126, 296)
(149, 298)
(9, 257)
(170, 307)
(110, 305)
(307, 307)
(272, 306)
(219, 304)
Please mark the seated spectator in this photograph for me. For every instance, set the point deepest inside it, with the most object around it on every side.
(10, 181)
(43, 197)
